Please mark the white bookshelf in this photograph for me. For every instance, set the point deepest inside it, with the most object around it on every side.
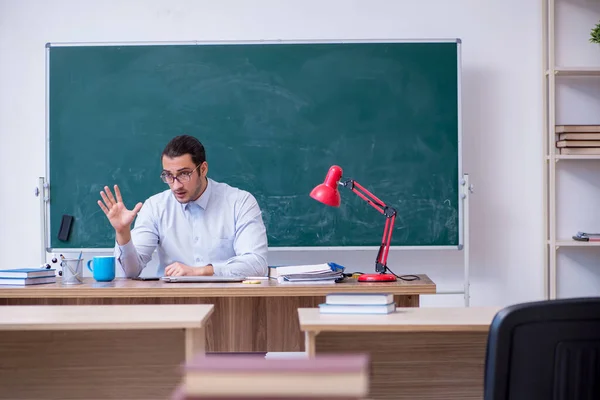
(571, 73)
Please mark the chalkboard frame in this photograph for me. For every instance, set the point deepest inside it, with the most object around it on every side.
(45, 203)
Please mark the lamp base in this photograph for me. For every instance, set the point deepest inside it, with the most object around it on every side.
(376, 278)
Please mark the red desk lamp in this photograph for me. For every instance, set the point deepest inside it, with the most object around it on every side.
(328, 193)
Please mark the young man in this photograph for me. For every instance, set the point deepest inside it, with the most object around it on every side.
(200, 227)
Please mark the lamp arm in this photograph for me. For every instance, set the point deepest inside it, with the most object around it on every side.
(390, 214)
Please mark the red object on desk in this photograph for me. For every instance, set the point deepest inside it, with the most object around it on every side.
(328, 193)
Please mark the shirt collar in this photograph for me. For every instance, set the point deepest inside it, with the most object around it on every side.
(202, 201)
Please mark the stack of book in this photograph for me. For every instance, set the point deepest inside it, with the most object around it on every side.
(243, 376)
(578, 139)
(325, 273)
(358, 303)
(27, 276)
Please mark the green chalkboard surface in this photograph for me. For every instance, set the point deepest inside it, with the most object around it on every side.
(273, 118)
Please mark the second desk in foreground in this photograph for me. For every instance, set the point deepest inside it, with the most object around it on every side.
(247, 318)
(416, 353)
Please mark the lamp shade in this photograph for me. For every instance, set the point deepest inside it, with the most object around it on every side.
(327, 192)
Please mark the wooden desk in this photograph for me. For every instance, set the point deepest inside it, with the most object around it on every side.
(416, 353)
(91, 352)
(248, 317)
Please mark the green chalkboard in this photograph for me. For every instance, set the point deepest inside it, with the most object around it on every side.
(273, 118)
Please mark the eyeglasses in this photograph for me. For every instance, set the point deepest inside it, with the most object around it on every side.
(182, 177)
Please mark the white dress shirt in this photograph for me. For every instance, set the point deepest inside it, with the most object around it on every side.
(223, 227)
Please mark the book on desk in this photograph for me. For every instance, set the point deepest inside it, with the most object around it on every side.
(244, 376)
(358, 303)
(325, 273)
(27, 276)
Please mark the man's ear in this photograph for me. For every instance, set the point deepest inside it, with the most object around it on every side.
(204, 169)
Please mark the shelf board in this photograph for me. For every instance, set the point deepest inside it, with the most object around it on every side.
(576, 157)
(577, 71)
(576, 243)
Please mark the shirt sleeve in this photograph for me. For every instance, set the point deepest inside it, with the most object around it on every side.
(135, 255)
(250, 243)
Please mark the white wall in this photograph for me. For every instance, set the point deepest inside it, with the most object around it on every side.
(502, 103)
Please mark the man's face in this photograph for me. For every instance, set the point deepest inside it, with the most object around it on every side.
(191, 179)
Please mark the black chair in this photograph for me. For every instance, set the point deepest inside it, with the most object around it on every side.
(547, 350)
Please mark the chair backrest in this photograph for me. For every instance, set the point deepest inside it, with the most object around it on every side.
(547, 350)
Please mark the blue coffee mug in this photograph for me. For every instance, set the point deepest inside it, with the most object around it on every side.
(103, 268)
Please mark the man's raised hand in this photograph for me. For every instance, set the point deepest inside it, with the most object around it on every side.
(118, 215)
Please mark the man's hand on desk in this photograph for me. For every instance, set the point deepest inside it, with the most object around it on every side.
(179, 269)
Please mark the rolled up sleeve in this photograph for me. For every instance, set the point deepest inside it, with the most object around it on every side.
(135, 255)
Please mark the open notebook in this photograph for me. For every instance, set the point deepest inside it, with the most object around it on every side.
(179, 279)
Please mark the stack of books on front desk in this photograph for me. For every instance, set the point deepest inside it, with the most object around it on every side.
(243, 376)
(358, 303)
(27, 276)
(578, 139)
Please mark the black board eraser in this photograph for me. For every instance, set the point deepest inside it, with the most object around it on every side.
(65, 227)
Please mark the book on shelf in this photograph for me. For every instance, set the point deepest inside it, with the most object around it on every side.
(579, 136)
(578, 143)
(26, 273)
(357, 308)
(254, 376)
(27, 281)
(577, 129)
(581, 151)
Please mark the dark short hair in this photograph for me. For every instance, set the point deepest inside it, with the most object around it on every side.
(185, 144)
